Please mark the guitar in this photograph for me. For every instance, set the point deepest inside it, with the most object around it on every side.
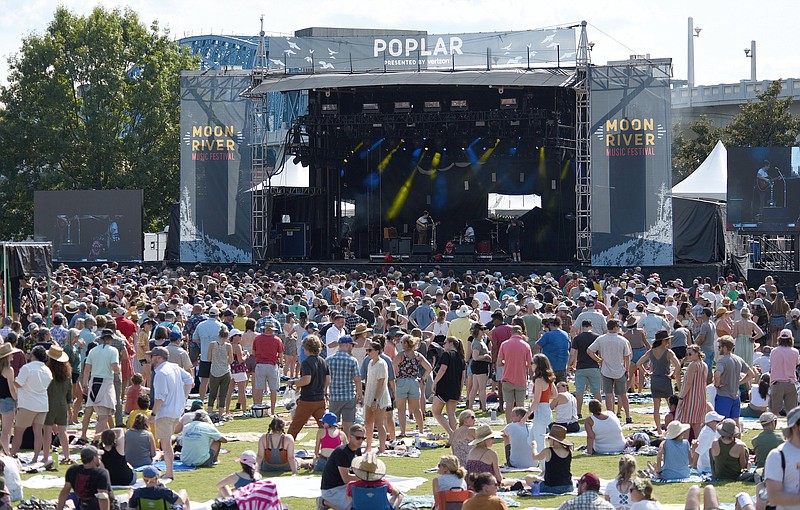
(764, 184)
(424, 227)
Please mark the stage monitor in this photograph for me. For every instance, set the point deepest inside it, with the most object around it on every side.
(90, 225)
(764, 189)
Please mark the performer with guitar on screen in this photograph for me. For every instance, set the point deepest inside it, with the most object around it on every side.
(763, 186)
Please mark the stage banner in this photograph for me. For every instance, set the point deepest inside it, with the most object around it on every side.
(215, 207)
(520, 49)
(631, 175)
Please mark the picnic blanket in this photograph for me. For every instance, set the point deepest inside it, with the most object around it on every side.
(426, 501)
(176, 466)
(509, 469)
(308, 486)
(44, 482)
(688, 479)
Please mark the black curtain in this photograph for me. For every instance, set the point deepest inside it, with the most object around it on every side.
(173, 250)
(29, 260)
(698, 231)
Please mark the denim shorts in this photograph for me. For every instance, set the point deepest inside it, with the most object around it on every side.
(406, 388)
(7, 405)
(636, 354)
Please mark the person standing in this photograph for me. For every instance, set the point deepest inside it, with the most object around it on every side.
(8, 395)
(221, 356)
(204, 334)
(587, 370)
(661, 358)
(100, 368)
(315, 379)
(59, 396)
(784, 360)
(514, 356)
(746, 332)
(345, 388)
(410, 367)
(32, 383)
(171, 386)
(376, 396)
(707, 338)
(692, 393)
(555, 345)
(423, 224)
(613, 353)
(727, 379)
(544, 389)
(268, 350)
(500, 332)
(448, 382)
(514, 231)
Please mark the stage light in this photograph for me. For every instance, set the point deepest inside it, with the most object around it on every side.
(432, 106)
(402, 106)
(330, 109)
(508, 103)
(370, 108)
(376, 144)
(480, 123)
(458, 105)
(402, 195)
(385, 162)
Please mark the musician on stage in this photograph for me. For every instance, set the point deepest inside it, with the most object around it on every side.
(514, 231)
(469, 233)
(424, 224)
(763, 184)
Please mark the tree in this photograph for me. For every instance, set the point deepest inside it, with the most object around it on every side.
(93, 103)
(765, 122)
(689, 151)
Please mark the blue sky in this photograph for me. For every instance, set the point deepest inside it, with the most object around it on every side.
(618, 28)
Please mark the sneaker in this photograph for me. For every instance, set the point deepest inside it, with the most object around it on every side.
(628, 420)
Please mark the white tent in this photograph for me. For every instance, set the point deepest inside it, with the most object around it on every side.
(710, 180)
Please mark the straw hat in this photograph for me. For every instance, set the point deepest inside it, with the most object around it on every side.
(392, 307)
(483, 433)
(7, 350)
(675, 429)
(369, 467)
(559, 433)
(57, 353)
(360, 329)
(652, 308)
(720, 312)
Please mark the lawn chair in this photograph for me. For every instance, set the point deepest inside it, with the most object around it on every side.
(452, 499)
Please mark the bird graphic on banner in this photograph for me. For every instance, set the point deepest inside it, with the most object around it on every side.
(331, 53)
(277, 62)
(549, 38)
(325, 65)
(290, 52)
(507, 49)
(293, 45)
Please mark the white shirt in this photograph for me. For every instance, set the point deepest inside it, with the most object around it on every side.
(333, 335)
(168, 386)
(646, 504)
(704, 441)
(33, 379)
(790, 476)
(612, 348)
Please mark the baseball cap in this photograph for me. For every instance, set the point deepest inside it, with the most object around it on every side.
(346, 339)
(235, 332)
(766, 417)
(248, 458)
(591, 480)
(159, 351)
(793, 417)
(88, 453)
(590, 302)
(313, 325)
(713, 416)
(106, 332)
(272, 324)
(150, 472)
(213, 311)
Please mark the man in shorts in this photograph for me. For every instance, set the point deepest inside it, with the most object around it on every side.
(345, 388)
(613, 352)
(514, 356)
(727, 379)
(102, 363)
(205, 333)
(268, 350)
(171, 386)
(587, 371)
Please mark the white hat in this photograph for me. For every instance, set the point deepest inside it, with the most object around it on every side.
(675, 429)
(463, 311)
(713, 416)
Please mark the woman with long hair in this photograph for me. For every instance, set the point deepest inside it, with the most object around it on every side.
(618, 491)
(276, 449)
(72, 347)
(544, 389)
(290, 346)
(481, 365)
(661, 358)
(747, 333)
(448, 383)
(439, 328)
(408, 365)
(685, 315)
(140, 445)
(557, 462)
(240, 319)
(451, 475)
(238, 374)
(485, 486)
(759, 398)
(220, 353)
(376, 396)
(777, 318)
(692, 393)
(59, 397)
(642, 496)
(463, 435)
(482, 459)
(8, 396)
(245, 476)
(639, 345)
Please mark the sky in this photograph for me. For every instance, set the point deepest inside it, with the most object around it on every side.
(618, 28)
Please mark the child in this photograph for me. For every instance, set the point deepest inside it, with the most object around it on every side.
(143, 402)
(517, 438)
(672, 402)
(328, 439)
(557, 462)
(133, 392)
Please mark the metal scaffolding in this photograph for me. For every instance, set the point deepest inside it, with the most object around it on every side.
(259, 194)
(583, 176)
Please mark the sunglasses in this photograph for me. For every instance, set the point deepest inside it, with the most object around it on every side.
(367, 350)
(360, 438)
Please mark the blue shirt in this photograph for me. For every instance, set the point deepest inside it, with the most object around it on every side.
(555, 345)
(676, 460)
(206, 332)
(423, 316)
(344, 369)
(197, 437)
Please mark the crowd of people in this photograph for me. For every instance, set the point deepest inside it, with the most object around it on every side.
(368, 352)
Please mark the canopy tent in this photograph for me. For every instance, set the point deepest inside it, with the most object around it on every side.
(709, 181)
(21, 261)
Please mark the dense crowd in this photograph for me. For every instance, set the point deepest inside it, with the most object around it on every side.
(366, 353)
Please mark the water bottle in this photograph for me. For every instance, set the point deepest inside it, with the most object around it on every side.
(535, 488)
(494, 414)
(417, 441)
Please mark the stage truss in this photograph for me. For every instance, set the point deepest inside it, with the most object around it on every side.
(583, 177)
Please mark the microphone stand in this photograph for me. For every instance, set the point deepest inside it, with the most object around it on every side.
(784, 186)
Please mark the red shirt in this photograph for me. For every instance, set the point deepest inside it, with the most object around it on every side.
(368, 485)
(131, 397)
(267, 348)
(125, 326)
(517, 356)
(499, 335)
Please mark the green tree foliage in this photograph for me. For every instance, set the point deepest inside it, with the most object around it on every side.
(92, 103)
(766, 121)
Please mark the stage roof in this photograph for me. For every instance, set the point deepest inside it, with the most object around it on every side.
(280, 82)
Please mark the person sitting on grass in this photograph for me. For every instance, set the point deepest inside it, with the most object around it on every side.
(246, 476)
(155, 490)
(711, 500)
(565, 407)
(588, 495)
(701, 447)
(672, 462)
(603, 431)
(276, 449)
(370, 472)
(672, 404)
(119, 469)
(462, 435)
(482, 458)
(329, 437)
(451, 475)
(517, 437)
(618, 491)
(729, 455)
(642, 495)
(140, 445)
(485, 498)
(557, 460)
(201, 442)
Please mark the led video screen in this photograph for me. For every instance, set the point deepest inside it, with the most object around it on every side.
(91, 225)
(764, 189)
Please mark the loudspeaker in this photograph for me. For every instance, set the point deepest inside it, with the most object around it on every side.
(735, 210)
(776, 214)
(405, 246)
(468, 248)
(391, 245)
(419, 258)
(421, 249)
(70, 252)
(294, 240)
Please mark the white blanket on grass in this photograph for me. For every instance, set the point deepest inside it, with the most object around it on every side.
(308, 486)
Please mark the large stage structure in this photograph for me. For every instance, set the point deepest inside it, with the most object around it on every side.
(391, 123)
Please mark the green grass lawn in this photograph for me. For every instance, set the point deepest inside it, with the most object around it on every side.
(201, 483)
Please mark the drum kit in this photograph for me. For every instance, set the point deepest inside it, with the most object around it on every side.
(462, 243)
